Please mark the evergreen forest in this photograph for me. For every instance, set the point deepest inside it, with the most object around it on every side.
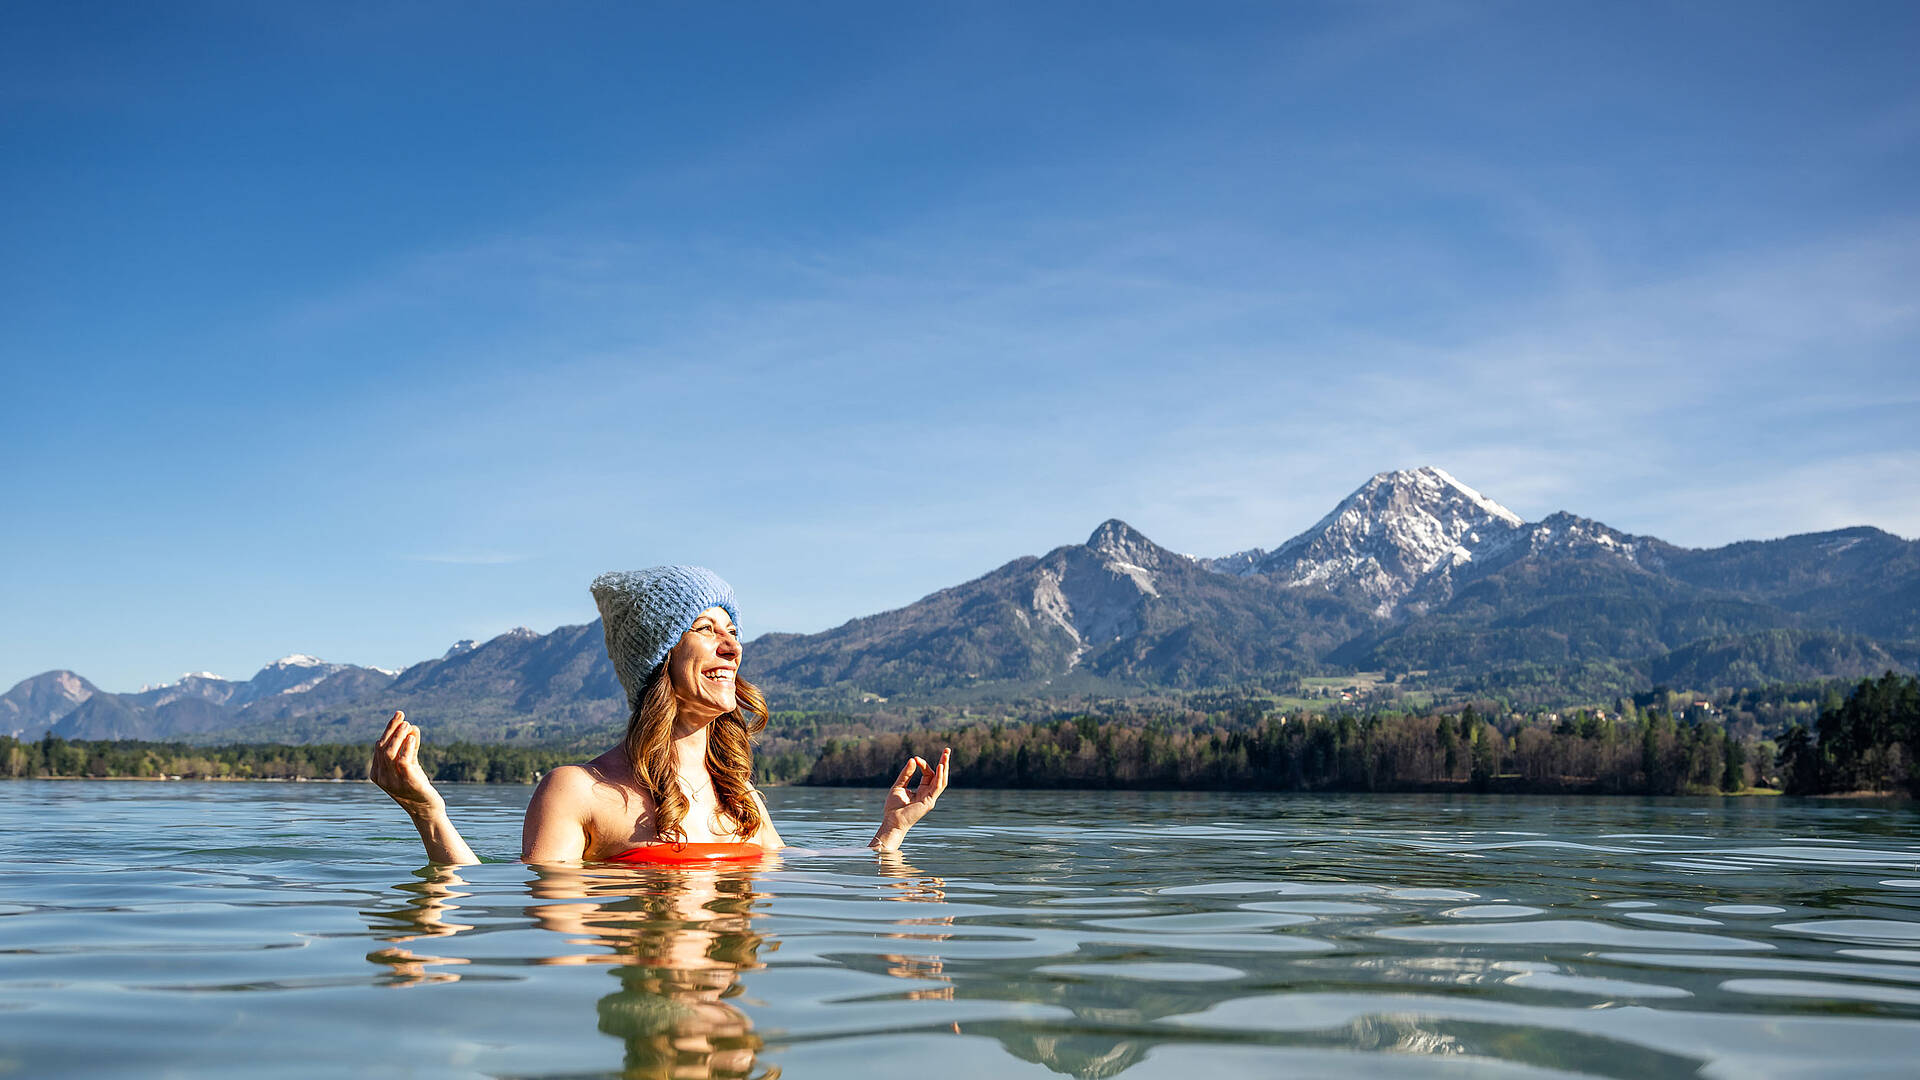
(1862, 740)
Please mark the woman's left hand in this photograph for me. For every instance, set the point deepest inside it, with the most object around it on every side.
(905, 806)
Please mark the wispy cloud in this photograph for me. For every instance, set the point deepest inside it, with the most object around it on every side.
(1080, 369)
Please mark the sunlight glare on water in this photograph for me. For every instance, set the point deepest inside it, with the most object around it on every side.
(233, 929)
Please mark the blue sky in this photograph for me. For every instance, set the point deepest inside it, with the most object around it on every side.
(358, 329)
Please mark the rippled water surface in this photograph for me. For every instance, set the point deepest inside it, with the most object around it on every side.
(234, 929)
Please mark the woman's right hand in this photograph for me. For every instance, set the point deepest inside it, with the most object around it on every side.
(395, 768)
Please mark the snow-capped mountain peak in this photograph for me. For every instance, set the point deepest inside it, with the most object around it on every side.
(1398, 531)
(294, 674)
(1435, 477)
(187, 679)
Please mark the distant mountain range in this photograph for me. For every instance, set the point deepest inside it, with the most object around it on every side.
(1413, 572)
(72, 707)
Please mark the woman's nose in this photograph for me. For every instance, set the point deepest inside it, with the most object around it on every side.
(729, 645)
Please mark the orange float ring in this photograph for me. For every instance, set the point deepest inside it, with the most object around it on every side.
(690, 854)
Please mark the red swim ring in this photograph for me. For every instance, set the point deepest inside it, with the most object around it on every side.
(690, 854)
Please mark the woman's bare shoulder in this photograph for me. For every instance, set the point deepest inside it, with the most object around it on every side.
(559, 816)
(572, 784)
(567, 777)
(587, 784)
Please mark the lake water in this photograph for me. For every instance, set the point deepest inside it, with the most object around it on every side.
(235, 929)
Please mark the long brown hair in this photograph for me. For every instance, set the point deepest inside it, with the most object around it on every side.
(649, 746)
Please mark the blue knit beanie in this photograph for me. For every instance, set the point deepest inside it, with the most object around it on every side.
(644, 612)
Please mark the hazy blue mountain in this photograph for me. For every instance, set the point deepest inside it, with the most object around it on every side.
(342, 683)
(521, 686)
(519, 673)
(203, 702)
(120, 716)
(198, 685)
(296, 677)
(108, 716)
(35, 704)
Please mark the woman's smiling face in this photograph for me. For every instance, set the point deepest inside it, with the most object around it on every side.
(704, 664)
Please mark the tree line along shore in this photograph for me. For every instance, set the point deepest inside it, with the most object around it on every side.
(1864, 740)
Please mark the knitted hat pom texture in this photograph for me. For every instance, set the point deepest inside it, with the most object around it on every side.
(645, 611)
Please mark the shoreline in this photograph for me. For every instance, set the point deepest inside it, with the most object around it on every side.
(1861, 796)
(218, 779)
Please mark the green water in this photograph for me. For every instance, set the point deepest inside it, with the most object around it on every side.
(238, 929)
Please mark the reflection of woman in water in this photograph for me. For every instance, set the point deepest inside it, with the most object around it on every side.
(679, 950)
(678, 943)
(683, 774)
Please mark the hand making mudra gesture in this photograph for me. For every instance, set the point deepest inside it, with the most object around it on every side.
(681, 780)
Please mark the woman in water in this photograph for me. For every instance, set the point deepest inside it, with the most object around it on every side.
(683, 775)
